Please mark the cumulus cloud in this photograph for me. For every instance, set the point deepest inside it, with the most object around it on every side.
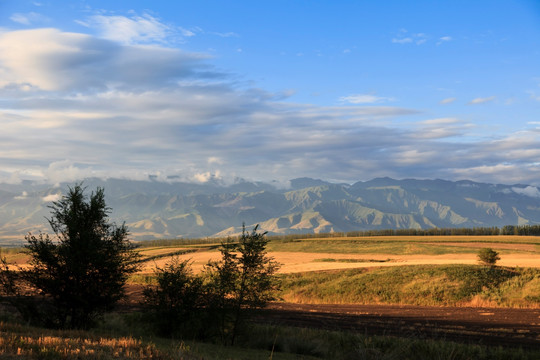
(480, 100)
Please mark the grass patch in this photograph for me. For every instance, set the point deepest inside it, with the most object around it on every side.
(448, 285)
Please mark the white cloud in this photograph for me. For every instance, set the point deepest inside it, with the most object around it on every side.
(134, 30)
(118, 110)
(215, 160)
(483, 100)
(534, 96)
(441, 121)
(23, 196)
(49, 59)
(444, 39)
(403, 37)
(404, 40)
(28, 18)
(226, 35)
(207, 176)
(51, 197)
(447, 100)
(530, 191)
(364, 99)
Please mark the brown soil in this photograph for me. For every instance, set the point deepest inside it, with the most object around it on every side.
(478, 325)
(490, 326)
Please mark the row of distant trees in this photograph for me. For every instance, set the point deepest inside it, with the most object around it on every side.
(78, 274)
(526, 230)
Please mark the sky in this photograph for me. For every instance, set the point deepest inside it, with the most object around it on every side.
(202, 91)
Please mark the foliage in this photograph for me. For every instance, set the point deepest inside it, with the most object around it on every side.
(177, 301)
(81, 271)
(216, 301)
(488, 256)
(243, 279)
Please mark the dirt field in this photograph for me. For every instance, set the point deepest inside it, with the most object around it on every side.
(293, 262)
(508, 327)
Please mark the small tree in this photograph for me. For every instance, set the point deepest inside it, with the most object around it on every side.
(243, 279)
(81, 271)
(178, 299)
(488, 256)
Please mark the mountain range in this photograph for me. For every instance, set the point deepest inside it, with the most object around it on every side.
(155, 209)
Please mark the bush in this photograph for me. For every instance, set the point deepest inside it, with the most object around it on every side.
(177, 302)
(488, 256)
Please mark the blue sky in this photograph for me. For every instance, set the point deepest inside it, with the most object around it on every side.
(270, 90)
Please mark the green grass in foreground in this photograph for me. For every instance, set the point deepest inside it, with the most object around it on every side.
(448, 285)
(112, 340)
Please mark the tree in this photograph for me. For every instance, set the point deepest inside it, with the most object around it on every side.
(177, 302)
(243, 279)
(488, 256)
(82, 269)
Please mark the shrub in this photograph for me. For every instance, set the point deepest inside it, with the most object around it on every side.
(177, 301)
(488, 256)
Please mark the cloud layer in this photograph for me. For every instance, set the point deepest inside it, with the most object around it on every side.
(74, 105)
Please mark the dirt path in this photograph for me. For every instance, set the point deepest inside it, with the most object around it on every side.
(492, 326)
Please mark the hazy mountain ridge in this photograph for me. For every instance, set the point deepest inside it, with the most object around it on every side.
(153, 209)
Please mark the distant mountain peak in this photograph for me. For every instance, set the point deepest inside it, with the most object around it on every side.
(165, 209)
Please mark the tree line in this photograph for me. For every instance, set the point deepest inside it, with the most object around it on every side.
(524, 230)
(79, 273)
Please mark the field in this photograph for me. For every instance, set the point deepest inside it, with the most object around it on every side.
(373, 297)
(300, 255)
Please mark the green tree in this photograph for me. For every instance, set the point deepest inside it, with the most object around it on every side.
(488, 256)
(177, 302)
(82, 269)
(243, 279)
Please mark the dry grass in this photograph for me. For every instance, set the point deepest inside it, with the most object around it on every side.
(20, 342)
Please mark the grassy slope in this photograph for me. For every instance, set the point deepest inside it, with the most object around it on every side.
(449, 285)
